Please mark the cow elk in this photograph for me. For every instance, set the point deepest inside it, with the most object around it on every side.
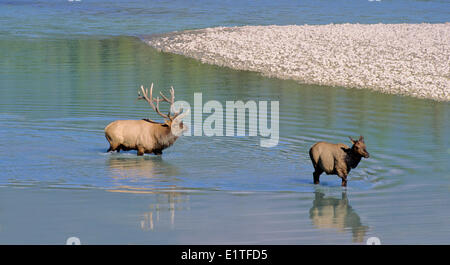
(337, 159)
(147, 136)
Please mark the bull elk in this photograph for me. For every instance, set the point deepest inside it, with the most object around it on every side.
(337, 159)
(147, 136)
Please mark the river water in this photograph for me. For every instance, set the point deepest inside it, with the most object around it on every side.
(67, 69)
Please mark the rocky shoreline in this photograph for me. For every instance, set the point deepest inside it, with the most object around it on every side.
(405, 59)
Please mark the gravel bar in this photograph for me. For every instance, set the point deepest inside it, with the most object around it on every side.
(405, 59)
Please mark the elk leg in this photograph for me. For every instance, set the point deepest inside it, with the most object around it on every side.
(316, 175)
(112, 147)
(157, 152)
(343, 176)
(344, 182)
(140, 151)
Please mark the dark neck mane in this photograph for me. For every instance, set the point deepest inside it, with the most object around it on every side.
(151, 121)
(353, 158)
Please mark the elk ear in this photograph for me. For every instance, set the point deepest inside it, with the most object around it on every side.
(361, 138)
(353, 141)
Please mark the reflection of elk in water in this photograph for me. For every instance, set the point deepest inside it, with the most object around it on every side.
(166, 199)
(165, 202)
(141, 167)
(338, 214)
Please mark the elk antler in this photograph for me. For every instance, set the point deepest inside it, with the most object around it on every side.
(151, 101)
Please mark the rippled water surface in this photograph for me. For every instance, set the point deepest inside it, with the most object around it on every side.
(51, 18)
(58, 92)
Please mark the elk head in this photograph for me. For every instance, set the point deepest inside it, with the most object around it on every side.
(359, 147)
(173, 121)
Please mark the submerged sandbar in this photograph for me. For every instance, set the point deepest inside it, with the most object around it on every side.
(406, 59)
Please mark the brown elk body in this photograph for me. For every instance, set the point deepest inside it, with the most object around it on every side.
(146, 136)
(336, 159)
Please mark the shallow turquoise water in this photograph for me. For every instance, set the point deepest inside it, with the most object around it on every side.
(55, 18)
(58, 91)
